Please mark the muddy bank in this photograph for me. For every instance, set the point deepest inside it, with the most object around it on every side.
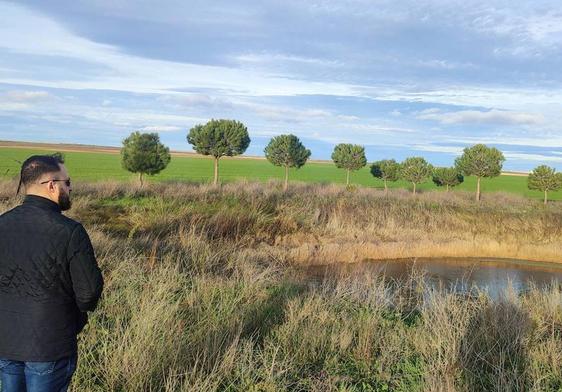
(314, 253)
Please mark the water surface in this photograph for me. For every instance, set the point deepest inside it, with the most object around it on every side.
(457, 274)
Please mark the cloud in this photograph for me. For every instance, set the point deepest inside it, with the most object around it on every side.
(376, 129)
(521, 156)
(504, 98)
(197, 100)
(120, 71)
(346, 117)
(533, 30)
(27, 96)
(478, 117)
(545, 140)
(266, 58)
(85, 116)
(134, 118)
(279, 113)
(125, 72)
(433, 148)
(445, 64)
(161, 128)
(19, 100)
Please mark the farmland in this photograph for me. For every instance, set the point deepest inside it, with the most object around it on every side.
(97, 166)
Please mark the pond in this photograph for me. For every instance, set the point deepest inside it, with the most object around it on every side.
(461, 275)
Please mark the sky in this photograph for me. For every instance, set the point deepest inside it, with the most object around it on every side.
(403, 78)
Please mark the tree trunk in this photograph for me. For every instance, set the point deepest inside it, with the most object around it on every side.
(545, 197)
(347, 181)
(140, 179)
(216, 181)
(414, 187)
(478, 189)
(385, 188)
(447, 187)
(286, 178)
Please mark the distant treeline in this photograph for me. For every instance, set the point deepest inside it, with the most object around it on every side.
(143, 153)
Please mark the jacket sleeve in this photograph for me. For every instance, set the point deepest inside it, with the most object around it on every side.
(87, 280)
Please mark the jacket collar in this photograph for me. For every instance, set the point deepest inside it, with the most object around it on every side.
(41, 202)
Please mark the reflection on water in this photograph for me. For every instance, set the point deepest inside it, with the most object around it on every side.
(457, 274)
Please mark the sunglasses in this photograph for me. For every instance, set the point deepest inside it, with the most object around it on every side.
(67, 182)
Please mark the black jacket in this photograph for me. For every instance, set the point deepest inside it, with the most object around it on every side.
(49, 279)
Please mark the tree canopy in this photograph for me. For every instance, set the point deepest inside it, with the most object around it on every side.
(144, 154)
(219, 138)
(544, 178)
(447, 176)
(480, 161)
(415, 170)
(349, 157)
(386, 170)
(287, 151)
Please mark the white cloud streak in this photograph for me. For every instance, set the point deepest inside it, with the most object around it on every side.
(161, 128)
(478, 117)
(531, 157)
(23, 100)
(27, 96)
(514, 140)
(266, 58)
(433, 148)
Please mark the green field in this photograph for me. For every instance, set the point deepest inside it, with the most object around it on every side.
(96, 166)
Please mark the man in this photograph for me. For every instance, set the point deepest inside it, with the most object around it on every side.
(49, 279)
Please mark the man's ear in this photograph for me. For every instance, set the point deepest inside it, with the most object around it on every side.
(51, 187)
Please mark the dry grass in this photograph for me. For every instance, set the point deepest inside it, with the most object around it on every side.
(200, 293)
(318, 224)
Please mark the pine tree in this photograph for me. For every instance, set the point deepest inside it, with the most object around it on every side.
(415, 170)
(219, 138)
(447, 176)
(143, 153)
(286, 151)
(349, 157)
(480, 161)
(386, 170)
(544, 178)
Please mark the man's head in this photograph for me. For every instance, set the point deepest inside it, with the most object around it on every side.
(46, 176)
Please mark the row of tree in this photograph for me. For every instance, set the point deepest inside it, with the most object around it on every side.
(143, 153)
(479, 161)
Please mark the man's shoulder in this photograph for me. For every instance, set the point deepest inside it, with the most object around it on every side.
(10, 213)
(7, 212)
(67, 220)
(24, 215)
(69, 223)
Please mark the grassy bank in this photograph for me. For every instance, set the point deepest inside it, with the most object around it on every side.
(201, 293)
(98, 166)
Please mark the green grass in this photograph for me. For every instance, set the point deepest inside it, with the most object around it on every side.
(94, 166)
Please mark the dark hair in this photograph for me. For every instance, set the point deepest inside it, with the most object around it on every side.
(35, 166)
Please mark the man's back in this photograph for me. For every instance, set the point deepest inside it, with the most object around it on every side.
(48, 280)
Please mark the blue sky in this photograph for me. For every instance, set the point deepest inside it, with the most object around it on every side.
(404, 78)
